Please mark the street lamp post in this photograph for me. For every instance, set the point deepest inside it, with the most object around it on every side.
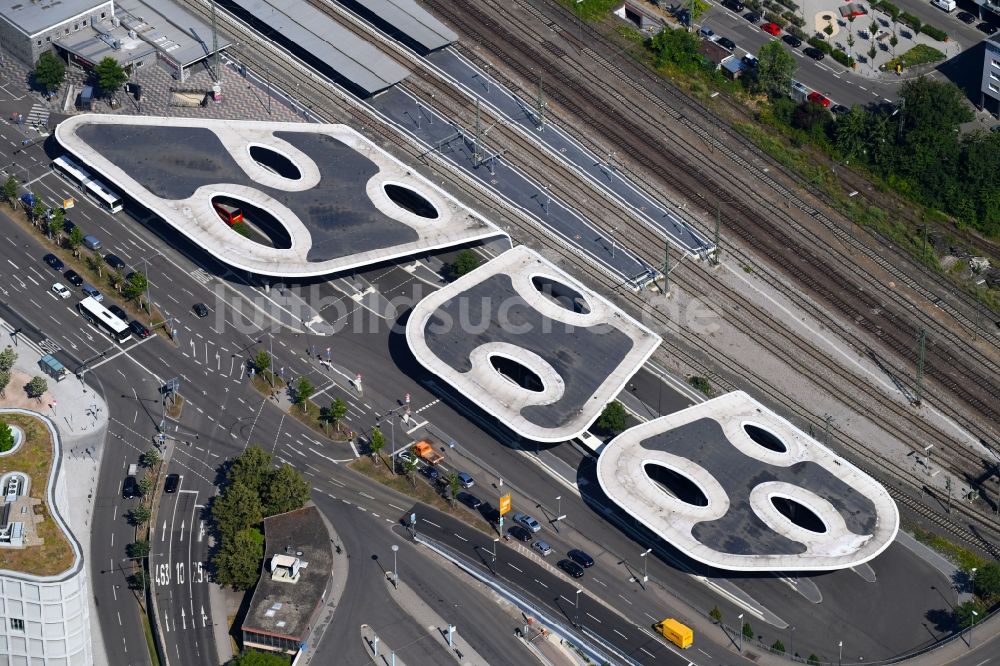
(791, 643)
(840, 657)
(149, 303)
(974, 616)
(645, 577)
(142, 577)
(395, 569)
(972, 579)
(740, 618)
(495, 555)
(576, 616)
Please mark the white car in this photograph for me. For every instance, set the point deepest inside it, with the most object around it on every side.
(60, 290)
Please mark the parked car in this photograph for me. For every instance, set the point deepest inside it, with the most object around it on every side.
(707, 33)
(542, 547)
(114, 261)
(726, 43)
(995, 128)
(840, 109)
(489, 512)
(430, 472)
(118, 312)
(73, 278)
(92, 242)
(470, 500)
(987, 28)
(200, 309)
(68, 225)
(571, 567)
(171, 484)
(527, 521)
(966, 18)
(60, 290)
(752, 17)
(814, 53)
(750, 61)
(581, 558)
(792, 41)
(771, 29)
(519, 533)
(54, 261)
(465, 480)
(91, 290)
(130, 488)
(817, 98)
(733, 5)
(139, 328)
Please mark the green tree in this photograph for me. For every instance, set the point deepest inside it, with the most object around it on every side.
(893, 41)
(872, 52)
(811, 118)
(6, 437)
(968, 612)
(110, 76)
(986, 581)
(676, 47)
(850, 134)
(37, 387)
(258, 659)
(376, 442)
(146, 483)
(239, 559)
(50, 71)
(454, 485)
(57, 224)
(139, 580)
(337, 411)
(813, 660)
(150, 458)
(747, 630)
(778, 646)
(37, 211)
(775, 68)
(303, 391)
(261, 361)
(135, 285)
(613, 419)
(138, 548)
(4, 381)
(251, 468)
(118, 280)
(715, 614)
(75, 240)
(139, 515)
(465, 261)
(410, 466)
(8, 357)
(286, 491)
(10, 190)
(236, 508)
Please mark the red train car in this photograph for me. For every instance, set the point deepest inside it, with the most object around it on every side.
(230, 214)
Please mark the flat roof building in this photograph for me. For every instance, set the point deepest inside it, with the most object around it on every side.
(30, 27)
(731, 484)
(407, 21)
(990, 89)
(294, 583)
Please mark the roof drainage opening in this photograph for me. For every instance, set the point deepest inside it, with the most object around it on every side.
(411, 200)
(799, 514)
(252, 222)
(565, 296)
(274, 161)
(676, 484)
(765, 438)
(515, 372)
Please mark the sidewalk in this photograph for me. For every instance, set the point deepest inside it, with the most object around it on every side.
(81, 418)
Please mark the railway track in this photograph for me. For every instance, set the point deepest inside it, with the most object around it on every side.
(322, 97)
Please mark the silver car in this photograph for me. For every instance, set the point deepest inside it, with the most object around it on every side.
(542, 547)
(527, 521)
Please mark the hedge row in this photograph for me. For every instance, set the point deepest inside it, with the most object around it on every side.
(774, 18)
(911, 20)
(887, 7)
(934, 33)
(842, 58)
(820, 44)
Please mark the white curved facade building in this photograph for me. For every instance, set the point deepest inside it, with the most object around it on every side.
(45, 620)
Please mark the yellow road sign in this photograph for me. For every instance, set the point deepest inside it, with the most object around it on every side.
(504, 504)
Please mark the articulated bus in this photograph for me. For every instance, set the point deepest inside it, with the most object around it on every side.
(230, 214)
(101, 193)
(102, 318)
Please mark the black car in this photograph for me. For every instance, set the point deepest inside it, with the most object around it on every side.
(839, 109)
(814, 53)
(581, 558)
(791, 40)
(118, 312)
(200, 309)
(430, 472)
(130, 488)
(68, 226)
(571, 567)
(519, 533)
(753, 17)
(489, 512)
(966, 18)
(54, 261)
(750, 61)
(683, 17)
(733, 5)
(726, 43)
(138, 328)
(986, 27)
(73, 278)
(470, 500)
(114, 261)
(172, 483)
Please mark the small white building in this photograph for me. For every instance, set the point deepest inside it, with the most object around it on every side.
(27, 29)
(990, 89)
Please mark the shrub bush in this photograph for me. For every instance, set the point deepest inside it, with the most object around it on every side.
(793, 18)
(911, 20)
(820, 44)
(934, 33)
(842, 58)
(774, 18)
(889, 8)
(791, 5)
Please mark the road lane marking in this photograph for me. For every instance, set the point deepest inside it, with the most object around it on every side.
(648, 652)
(541, 583)
(432, 523)
(600, 582)
(398, 508)
(594, 618)
(365, 495)
(625, 600)
(460, 536)
(620, 634)
(514, 568)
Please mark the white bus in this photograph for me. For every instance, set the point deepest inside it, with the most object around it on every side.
(71, 170)
(102, 194)
(106, 198)
(102, 318)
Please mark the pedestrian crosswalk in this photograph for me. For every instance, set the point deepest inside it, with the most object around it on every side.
(201, 276)
(49, 346)
(38, 116)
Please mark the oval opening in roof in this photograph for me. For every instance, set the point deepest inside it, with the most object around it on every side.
(799, 514)
(275, 162)
(252, 222)
(765, 438)
(675, 484)
(517, 373)
(563, 295)
(410, 200)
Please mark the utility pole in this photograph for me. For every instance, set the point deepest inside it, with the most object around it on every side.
(477, 150)
(540, 104)
(718, 223)
(920, 365)
(666, 268)
(826, 431)
(947, 485)
(216, 73)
